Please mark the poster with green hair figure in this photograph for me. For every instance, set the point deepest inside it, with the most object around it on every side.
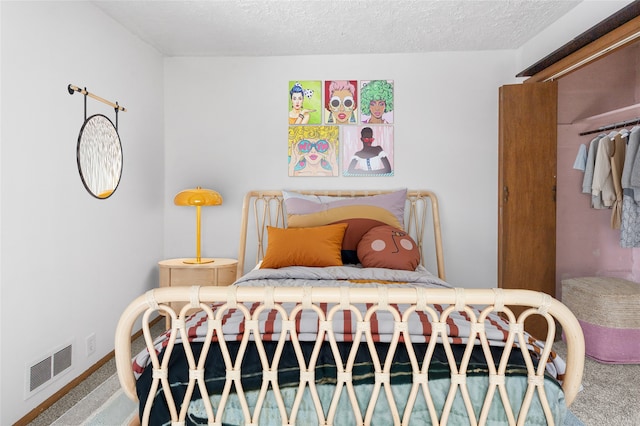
(313, 150)
(305, 102)
(376, 101)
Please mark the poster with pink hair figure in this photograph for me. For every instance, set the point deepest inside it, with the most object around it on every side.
(340, 102)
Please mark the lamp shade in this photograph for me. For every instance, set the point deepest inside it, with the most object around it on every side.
(198, 197)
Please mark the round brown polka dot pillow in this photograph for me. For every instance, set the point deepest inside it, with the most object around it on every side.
(388, 247)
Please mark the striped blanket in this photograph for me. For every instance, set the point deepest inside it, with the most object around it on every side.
(344, 321)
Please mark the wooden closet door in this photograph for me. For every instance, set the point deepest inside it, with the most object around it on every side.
(527, 189)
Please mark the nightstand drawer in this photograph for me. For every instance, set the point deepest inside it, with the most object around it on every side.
(227, 275)
(189, 277)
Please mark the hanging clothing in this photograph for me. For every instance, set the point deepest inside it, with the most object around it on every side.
(635, 174)
(602, 184)
(634, 178)
(617, 163)
(580, 162)
(630, 218)
(587, 180)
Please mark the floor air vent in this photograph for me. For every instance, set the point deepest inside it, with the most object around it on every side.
(39, 374)
(47, 369)
(61, 360)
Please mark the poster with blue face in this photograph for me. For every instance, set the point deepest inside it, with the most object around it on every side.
(313, 150)
(305, 102)
(376, 101)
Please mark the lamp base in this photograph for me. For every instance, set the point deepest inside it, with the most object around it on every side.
(197, 262)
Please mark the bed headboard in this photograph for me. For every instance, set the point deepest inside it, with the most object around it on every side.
(266, 208)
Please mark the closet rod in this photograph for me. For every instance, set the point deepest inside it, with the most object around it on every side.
(613, 126)
(84, 91)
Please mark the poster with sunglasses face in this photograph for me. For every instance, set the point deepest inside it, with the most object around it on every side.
(313, 150)
(340, 102)
(367, 150)
(376, 101)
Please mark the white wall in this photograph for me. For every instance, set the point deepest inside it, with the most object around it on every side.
(71, 263)
(225, 129)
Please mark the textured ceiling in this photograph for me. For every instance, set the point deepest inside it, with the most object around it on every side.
(310, 27)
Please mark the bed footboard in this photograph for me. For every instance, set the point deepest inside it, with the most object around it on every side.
(289, 302)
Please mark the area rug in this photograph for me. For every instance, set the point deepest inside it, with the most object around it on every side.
(106, 405)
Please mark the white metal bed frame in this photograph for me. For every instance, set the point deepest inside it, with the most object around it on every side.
(266, 207)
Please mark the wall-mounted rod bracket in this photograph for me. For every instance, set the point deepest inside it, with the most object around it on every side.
(72, 89)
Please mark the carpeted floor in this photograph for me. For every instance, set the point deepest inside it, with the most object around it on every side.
(611, 395)
(107, 405)
(67, 402)
(83, 392)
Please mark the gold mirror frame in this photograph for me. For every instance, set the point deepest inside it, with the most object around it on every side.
(99, 156)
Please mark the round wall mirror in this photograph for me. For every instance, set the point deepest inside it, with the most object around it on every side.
(99, 155)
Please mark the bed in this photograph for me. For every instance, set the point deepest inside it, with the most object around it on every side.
(341, 322)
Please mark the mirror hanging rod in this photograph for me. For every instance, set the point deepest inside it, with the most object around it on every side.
(84, 91)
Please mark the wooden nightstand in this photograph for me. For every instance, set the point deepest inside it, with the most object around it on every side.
(174, 273)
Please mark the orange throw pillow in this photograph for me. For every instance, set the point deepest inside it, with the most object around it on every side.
(315, 246)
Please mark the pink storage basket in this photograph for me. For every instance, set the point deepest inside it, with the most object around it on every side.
(608, 310)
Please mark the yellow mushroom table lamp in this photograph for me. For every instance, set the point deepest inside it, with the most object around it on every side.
(198, 197)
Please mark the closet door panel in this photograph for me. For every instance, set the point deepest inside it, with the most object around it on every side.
(527, 189)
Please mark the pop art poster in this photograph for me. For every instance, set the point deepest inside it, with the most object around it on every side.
(313, 150)
(376, 101)
(340, 102)
(305, 102)
(367, 150)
